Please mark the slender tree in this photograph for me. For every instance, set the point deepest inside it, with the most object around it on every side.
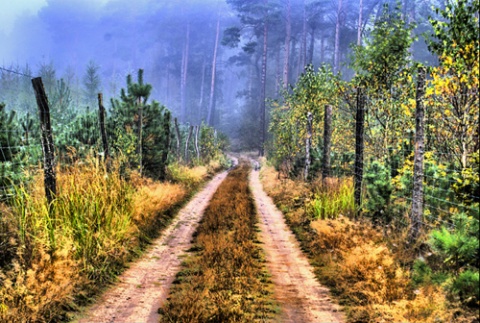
(210, 115)
(91, 84)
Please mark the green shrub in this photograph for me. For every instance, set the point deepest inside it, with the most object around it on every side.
(458, 247)
(379, 189)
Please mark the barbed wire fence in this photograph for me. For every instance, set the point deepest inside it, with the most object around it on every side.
(387, 174)
(384, 167)
(26, 112)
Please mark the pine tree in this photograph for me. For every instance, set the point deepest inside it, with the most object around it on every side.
(141, 131)
(9, 151)
(92, 84)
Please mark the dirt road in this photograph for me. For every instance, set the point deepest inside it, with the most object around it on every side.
(300, 295)
(144, 286)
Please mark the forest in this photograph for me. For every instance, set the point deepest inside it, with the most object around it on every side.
(362, 116)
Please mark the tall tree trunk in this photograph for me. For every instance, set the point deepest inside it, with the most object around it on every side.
(303, 46)
(322, 46)
(288, 32)
(167, 87)
(166, 129)
(202, 92)
(293, 58)
(416, 216)
(179, 139)
(359, 145)
(103, 132)
(336, 53)
(187, 141)
(183, 80)
(360, 23)
(278, 72)
(212, 83)
(327, 142)
(197, 149)
(263, 82)
(308, 144)
(140, 133)
(311, 49)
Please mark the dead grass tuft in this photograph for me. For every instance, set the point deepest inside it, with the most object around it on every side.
(41, 292)
(155, 198)
(191, 177)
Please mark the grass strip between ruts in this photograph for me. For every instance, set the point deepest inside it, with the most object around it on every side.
(224, 279)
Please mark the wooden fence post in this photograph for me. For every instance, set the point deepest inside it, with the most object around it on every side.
(190, 131)
(327, 142)
(359, 146)
(47, 140)
(140, 134)
(103, 132)
(416, 215)
(177, 130)
(308, 144)
(197, 149)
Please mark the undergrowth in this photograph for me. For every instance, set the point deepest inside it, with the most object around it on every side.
(56, 257)
(368, 268)
(224, 278)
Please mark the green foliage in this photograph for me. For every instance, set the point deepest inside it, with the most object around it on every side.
(61, 108)
(82, 134)
(92, 83)
(467, 182)
(332, 201)
(125, 128)
(379, 62)
(458, 247)
(466, 285)
(11, 154)
(8, 135)
(210, 143)
(288, 124)
(458, 28)
(378, 188)
(423, 274)
(156, 140)
(438, 194)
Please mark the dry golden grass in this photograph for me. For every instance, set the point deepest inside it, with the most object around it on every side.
(156, 198)
(56, 259)
(224, 279)
(191, 177)
(361, 264)
(40, 292)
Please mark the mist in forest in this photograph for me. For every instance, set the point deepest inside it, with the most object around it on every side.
(211, 61)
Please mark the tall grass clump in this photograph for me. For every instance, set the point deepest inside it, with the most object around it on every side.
(331, 198)
(366, 267)
(191, 177)
(55, 257)
(92, 211)
(224, 279)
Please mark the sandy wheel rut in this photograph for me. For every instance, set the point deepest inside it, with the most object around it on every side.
(144, 286)
(300, 295)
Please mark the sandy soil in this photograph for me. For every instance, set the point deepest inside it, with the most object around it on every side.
(143, 288)
(300, 295)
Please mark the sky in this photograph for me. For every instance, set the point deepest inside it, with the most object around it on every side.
(10, 10)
